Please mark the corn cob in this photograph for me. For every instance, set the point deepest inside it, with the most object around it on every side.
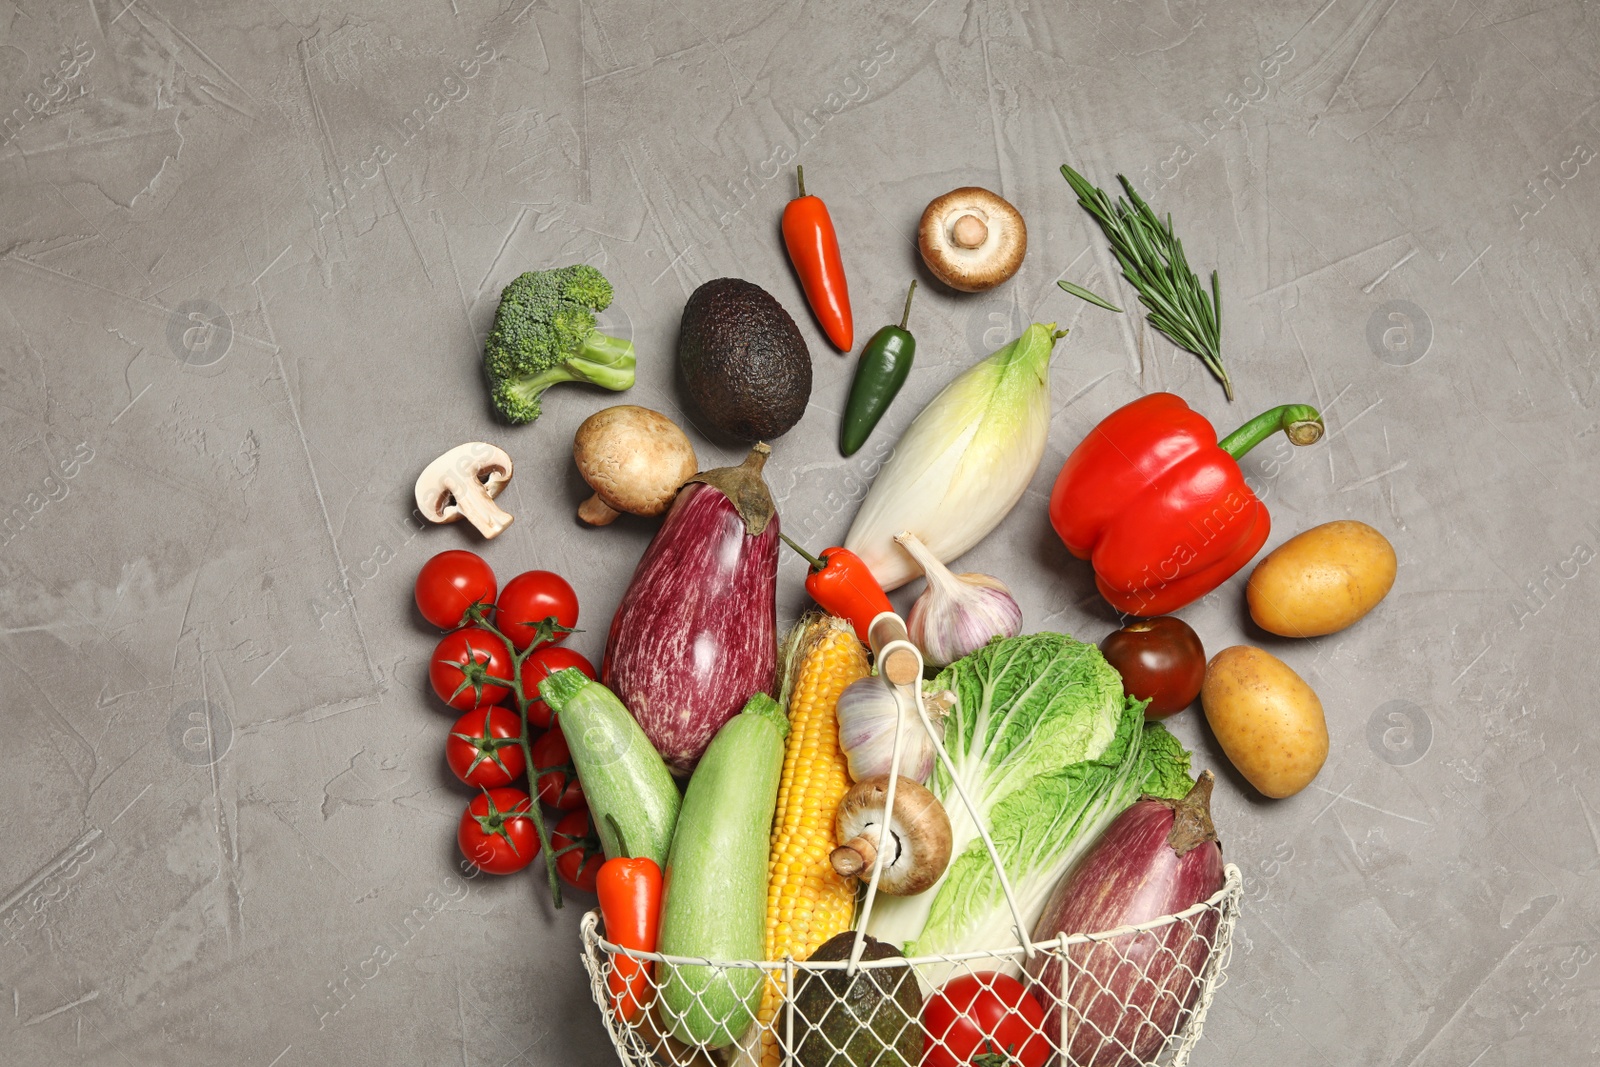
(807, 902)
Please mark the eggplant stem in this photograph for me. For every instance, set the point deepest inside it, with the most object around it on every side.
(1191, 817)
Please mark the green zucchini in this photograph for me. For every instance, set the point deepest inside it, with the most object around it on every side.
(625, 782)
(715, 896)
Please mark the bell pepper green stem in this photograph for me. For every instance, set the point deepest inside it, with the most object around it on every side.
(1300, 422)
(800, 180)
(906, 314)
(816, 564)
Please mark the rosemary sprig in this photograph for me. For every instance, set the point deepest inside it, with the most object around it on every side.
(1152, 260)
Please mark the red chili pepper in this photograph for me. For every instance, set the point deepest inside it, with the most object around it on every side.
(1160, 506)
(630, 903)
(814, 250)
(842, 585)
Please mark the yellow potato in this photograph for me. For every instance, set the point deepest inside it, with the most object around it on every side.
(1322, 580)
(1268, 720)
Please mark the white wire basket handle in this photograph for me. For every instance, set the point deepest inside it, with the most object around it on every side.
(900, 664)
(1136, 996)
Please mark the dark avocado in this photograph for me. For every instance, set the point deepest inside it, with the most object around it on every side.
(744, 364)
(865, 1020)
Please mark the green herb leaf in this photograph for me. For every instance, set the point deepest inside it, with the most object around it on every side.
(1152, 260)
(1083, 294)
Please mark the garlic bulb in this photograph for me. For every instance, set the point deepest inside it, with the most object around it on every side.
(958, 613)
(867, 714)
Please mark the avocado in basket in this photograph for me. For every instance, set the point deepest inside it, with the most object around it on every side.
(868, 1019)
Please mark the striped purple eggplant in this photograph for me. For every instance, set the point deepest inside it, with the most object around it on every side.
(1128, 995)
(696, 633)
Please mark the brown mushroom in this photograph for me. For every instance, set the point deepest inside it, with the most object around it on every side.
(972, 239)
(917, 848)
(462, 484)
(634, 459)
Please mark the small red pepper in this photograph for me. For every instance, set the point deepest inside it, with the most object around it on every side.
(842, 585)
(629, 889)
(814, 251)
(1160, 506)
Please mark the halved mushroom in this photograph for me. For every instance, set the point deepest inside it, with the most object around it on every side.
(972, 239)
(917, 843)
(634, 459)
(463, 483)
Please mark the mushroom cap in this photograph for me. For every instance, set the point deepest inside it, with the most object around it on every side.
(439, 485)
(920, 850)
(635, 459)
(972, 239)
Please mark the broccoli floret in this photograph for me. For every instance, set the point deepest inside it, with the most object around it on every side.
(544, 332)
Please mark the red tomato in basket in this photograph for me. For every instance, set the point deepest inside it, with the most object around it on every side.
(980, 1014)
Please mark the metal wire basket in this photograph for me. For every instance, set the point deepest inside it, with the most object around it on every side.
(1136, 996)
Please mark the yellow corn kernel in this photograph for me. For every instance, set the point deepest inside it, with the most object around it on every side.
(807, 901)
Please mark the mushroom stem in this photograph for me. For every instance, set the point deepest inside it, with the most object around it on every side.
(481, 510)
(854, 856)
(597, 512)
(969, 231)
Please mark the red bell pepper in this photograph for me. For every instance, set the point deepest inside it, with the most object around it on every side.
(1159, 505)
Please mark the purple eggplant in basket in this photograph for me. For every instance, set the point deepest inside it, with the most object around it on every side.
(696, 633)
(1128, 995)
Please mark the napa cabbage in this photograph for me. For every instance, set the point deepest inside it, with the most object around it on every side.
(1049, 750)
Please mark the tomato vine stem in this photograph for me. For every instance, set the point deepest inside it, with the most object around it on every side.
(479, 615)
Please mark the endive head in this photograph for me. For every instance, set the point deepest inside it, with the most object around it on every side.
(964, 462)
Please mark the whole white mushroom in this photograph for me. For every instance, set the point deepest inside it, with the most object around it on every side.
(972, 239)
(634, 459)
(914, 838)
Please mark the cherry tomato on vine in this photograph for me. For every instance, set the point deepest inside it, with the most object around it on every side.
(558, 780)
(460, 662)
(581, 865)
(540, 664)
(1161, 660)
(497, 833)
(981, 1014)
(450, 583)
(484, 749)
(536, 607)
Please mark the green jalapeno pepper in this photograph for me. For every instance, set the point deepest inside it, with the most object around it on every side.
(881, 371)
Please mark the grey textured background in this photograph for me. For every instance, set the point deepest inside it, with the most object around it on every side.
(250, 250)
